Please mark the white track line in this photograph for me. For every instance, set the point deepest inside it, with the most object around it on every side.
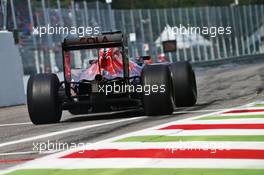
(28, 152)
(66, 131)
(224, 121)
(203, 132)
(243, 114)
(251, 107)
(19, 153)
(194, 145)
(197, 111)
(145, 163)
(15, 124)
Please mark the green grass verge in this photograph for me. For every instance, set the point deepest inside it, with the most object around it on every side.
(259, 105)
(158, 138)
(230, 117)
(143, 171)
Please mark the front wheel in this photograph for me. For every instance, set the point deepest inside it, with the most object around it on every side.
(43, 102)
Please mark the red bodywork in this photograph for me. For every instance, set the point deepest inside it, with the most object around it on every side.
(110, 66)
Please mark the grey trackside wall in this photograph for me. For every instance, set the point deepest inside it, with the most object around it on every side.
(11, 72)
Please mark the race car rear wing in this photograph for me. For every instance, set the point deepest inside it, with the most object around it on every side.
(105, 40)
(90, 42)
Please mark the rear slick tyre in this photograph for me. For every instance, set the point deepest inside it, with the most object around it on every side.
(184, 84)
(157, 103)
(43, 102)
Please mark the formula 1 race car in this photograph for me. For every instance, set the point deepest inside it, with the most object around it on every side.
(109, 82)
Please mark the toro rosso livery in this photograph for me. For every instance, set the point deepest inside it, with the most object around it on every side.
(109, 82)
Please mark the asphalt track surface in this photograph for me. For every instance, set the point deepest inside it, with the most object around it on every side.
(219, 88)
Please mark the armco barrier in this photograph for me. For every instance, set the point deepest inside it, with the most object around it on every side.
(11, 72)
